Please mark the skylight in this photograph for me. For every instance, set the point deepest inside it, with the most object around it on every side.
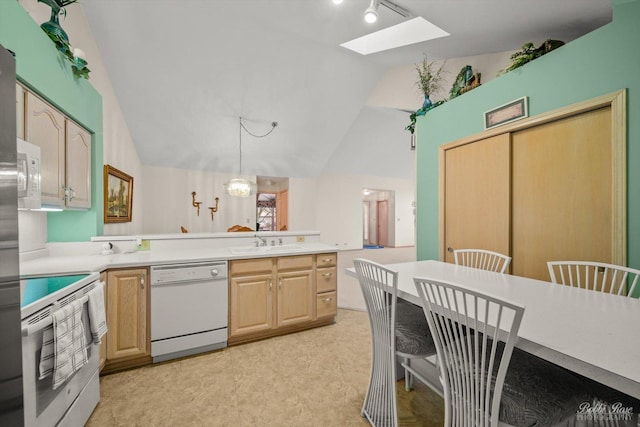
(415, 30)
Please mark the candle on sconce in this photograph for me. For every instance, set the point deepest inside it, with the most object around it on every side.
(79, 53)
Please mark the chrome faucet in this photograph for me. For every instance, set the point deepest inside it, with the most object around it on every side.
(261, 241)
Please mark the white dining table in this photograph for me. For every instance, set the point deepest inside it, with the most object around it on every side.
(592, 333)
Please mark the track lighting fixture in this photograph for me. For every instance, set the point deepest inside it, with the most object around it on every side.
(371, 13)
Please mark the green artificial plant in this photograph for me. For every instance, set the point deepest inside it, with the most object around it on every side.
(528, 53)
(429, 81)
(59, 37)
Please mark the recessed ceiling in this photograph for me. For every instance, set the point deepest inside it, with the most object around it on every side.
(185, 70)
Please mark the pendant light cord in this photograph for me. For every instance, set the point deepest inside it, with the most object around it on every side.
(242, 126)
(273, 126)
(240, 132)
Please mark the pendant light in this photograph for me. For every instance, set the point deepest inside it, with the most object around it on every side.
(240, 187)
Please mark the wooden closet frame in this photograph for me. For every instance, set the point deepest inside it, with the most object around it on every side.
(618, 103)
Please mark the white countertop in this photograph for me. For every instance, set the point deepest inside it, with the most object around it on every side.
(77, 264)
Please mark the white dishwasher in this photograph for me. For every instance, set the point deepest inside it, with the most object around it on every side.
(189, 304)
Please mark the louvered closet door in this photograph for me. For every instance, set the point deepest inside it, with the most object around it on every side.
(562, 193)
(477, 199)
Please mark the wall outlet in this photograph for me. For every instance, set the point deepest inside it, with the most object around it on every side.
(144, 245)
(299, 239)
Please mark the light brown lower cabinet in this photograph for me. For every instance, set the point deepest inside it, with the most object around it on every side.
(128, 300)
(273, 296)
(103, 343)
(326, 286)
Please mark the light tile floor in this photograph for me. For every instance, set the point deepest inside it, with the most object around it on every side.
(311, 378)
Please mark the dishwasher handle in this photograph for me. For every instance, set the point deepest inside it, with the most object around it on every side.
(187, 282)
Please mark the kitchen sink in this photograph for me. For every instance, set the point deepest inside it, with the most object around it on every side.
(245, 250)
(282, 248)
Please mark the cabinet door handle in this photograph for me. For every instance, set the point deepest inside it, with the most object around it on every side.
(280, 283)
(270, 284)
(142, 281)
(450, 249)
(326, 274)
(326, 260)
(327, 299)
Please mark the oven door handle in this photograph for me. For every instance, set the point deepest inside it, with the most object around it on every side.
(38, 326)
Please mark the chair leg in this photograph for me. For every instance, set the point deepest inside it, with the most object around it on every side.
(408, 378)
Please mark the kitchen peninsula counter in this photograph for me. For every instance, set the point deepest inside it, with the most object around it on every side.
(85, 257)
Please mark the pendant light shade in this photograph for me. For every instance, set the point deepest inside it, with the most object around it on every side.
(241, 187)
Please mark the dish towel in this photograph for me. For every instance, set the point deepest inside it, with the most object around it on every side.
(46, 354)
(63, 345)
(97, 316)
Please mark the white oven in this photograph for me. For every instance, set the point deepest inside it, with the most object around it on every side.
(28, 175)
(72, 403)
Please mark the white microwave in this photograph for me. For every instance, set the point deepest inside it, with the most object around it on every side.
(28, 175)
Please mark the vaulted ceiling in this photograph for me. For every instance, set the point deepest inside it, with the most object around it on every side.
(184, 71)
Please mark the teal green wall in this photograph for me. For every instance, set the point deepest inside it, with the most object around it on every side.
(45, 71)
(601, 62)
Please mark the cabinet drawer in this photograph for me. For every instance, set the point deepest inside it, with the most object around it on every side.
(251, 266)
(327, 260)
(326, 304)
(295, 262)
(326, 279)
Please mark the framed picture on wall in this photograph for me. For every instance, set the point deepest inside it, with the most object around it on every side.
(118, 195)
(506, 113)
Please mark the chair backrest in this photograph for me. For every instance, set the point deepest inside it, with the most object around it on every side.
(481, 258)
(379, 287)
(596, 276)
(474, 335)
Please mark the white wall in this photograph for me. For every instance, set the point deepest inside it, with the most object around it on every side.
(303, 195)
(32, 230)
(339, 208)
(168, 205)
(397, 88)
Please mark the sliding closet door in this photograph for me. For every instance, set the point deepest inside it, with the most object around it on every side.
(562, 193)
(476, 196)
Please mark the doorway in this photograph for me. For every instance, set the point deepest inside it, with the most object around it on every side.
(272, 204)
(378, 218)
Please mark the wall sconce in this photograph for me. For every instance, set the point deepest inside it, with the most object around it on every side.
(214, 209)
(194, 203)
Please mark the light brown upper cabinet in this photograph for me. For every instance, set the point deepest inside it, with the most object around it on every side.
(78, 170)
(65, 150)
(550, 187)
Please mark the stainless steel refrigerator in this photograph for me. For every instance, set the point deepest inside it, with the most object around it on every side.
(11, 396)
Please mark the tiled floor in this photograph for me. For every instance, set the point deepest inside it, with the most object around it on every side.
(312, 378)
